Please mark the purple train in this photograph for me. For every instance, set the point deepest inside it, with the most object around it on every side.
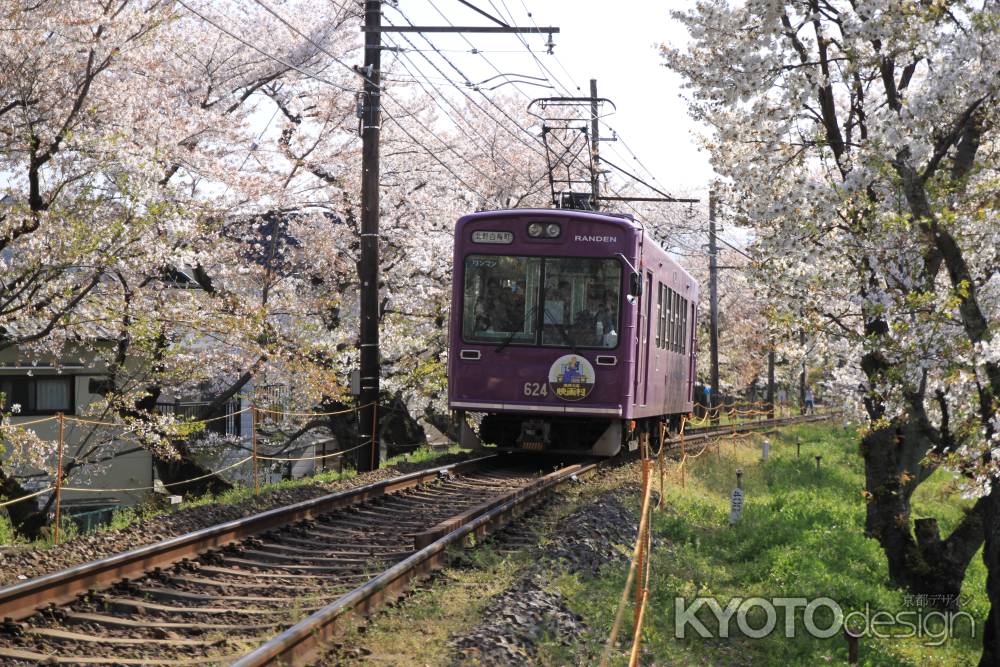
(571, 331)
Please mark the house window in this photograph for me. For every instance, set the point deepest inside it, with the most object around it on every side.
(37, 395)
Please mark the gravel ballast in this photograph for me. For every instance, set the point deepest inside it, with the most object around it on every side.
(516, 621)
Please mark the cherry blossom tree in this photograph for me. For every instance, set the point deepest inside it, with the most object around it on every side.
(859, 139)
(181, 184)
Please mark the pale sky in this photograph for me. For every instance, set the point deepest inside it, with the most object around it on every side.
(613, 42)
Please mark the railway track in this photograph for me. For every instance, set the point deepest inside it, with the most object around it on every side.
(271, 588)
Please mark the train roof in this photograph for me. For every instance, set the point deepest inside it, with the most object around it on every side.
(552, 213)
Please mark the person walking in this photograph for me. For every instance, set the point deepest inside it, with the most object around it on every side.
(810, 402)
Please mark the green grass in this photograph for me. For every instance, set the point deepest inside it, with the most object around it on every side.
(422, 455)
(8, 535)
(801, 535)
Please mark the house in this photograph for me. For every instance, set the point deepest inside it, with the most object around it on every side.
(43, 388)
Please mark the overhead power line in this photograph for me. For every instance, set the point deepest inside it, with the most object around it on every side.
(264, 53)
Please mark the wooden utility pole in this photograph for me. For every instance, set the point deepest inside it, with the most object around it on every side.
(770, 381)
(595, 138)
(713, 291)
(367, 458)
(368, 269)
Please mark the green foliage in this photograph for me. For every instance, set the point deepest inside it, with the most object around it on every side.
(801, 535)
(422, 455)
(7, 533)
(432, 374)
(68, 531)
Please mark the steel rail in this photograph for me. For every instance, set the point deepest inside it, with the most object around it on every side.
(23, 599)
(304, 640)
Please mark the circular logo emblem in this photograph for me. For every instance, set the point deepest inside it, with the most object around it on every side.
(571, 377)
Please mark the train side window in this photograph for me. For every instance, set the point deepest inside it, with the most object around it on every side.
(664, 317)
(684, 317)
(675, 299)
(670, 319)
(677, 324)
(659, 313)
(667, 314)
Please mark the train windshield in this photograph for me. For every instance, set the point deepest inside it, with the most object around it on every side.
(580, 298)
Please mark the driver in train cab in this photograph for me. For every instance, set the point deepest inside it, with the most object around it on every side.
(513, 307)
(588, 328)
(606, 321)
(485, 305)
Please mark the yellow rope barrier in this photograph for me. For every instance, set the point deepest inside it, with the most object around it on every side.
(313, 414)
(637, 635)
(186, 481)
(148, 488)
(623, 601)
(27, 497)
(33, 422)
(93, 422)
(215, 419)
(341, 452)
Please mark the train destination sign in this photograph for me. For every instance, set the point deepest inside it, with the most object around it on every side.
(486, 236)
(572, 377)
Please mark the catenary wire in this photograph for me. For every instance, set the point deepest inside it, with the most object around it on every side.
(390, 117)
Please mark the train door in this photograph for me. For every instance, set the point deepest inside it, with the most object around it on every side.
(640, 358)
(692, 350)
(645, 336)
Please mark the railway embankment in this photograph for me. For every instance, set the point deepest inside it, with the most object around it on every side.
(799, 541)
(545, 590)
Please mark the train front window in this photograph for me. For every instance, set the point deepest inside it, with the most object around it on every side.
(581, 302)
(501, 299)
(502, 293)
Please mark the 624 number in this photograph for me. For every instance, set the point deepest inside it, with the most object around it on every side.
(536, 388)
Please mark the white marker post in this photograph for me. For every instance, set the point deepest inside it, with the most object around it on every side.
(736, 500)
(765, 449)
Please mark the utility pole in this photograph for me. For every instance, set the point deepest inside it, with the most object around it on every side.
(595, 138)
(770, 380)
(713, 291)
(368, 269)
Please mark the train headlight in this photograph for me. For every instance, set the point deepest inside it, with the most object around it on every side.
(552, 230)
(535, 229)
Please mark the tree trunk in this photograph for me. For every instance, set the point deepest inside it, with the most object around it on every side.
(172, 471)
(183, 468)
(24, 516)
(397, 427)
(991, 557)
(919, 560)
